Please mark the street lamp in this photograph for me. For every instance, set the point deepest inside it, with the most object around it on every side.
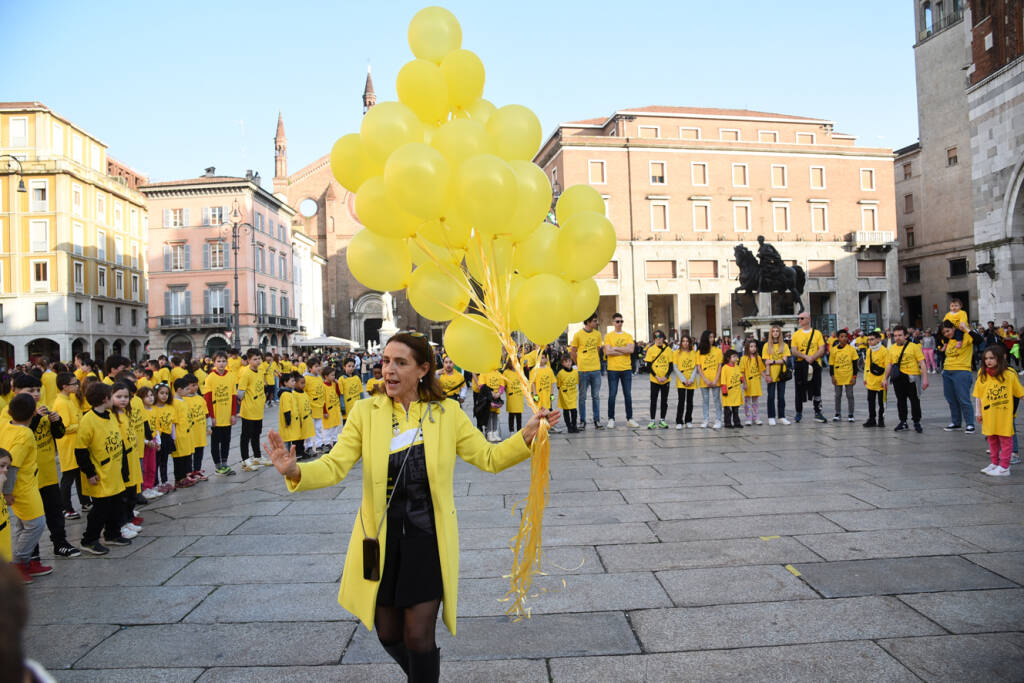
(236, 223)
(21, 170)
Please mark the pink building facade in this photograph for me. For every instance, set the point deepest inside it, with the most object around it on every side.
(197, 268)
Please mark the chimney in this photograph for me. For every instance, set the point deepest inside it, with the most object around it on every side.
(211, 171)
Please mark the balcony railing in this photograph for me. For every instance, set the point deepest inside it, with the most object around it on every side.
(277, 322)
(196, 322)
(873, 238)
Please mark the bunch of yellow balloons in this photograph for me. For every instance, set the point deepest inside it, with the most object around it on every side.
(444, 181)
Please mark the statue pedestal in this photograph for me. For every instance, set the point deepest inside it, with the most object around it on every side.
(758, 324)
(387, 331)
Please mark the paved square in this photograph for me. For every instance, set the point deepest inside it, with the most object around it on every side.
(801, 552)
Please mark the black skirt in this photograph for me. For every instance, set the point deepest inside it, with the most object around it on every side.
(412, 569)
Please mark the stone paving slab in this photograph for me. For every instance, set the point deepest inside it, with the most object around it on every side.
(566, 593)
(476, 564)
(972, 611)
(592, 500)
(851, 661)
(859, 545)
(251, 569)
(113, 605)
(237, 509)
(1010, 565)
(740, 527)
(778, 623)
(898, 575)
(757, 506)
(253, 544)
(203, 645)
(59, 646)
(491, 487)
(284, 601)
(925, 516)
(606, 483)
(905, 499)
(939, 481)
(993, 537)
(803, 488)
(727, 585)
(689, 493)
(989, 658)
(497, 671)
(785, 476)
(165, 547)
(1012, 492)
(694, 554)
(611, 514)
(495, 638)
(128, 675)
(569, 534)
(194, 526)
(127, 571)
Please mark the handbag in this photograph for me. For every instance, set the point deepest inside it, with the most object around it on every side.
(785, 374)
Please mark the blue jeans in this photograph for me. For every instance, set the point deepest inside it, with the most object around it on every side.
(776, 397)
(626, 378)
(592, 379)
(711, 396)
(956, 387)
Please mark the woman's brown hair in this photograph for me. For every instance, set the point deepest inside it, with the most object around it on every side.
(429, 386)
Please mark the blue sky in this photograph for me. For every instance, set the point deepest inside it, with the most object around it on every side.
(174, 87)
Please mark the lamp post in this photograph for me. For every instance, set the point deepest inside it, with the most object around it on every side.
(236, 224)
(21, 170)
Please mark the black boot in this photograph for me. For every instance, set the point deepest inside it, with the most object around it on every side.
(425, 667)
(399, 654)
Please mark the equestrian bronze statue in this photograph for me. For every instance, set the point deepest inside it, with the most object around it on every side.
(768, 273)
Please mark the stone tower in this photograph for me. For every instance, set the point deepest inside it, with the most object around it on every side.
(280, 150)
(369, 97)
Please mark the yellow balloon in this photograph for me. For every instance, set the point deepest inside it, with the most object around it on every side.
(515, 132)
(417, 176)
(496, 253)
(486, 192)
(472, 343)
(377, 262)
(542, 307)
(587, 242)
(481, 110)
(538, 253)
(459, 140)
(534, 199)
(436, 254)
(433, 33)
(584, 298)
(578, 198)
(348, 163)
(378, 211)
(464, 73)
(437, 294)
(422, 87)
(445, 233)
(386, 127)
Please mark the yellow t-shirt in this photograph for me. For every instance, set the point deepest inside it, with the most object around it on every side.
(177, 373)
(254, 401)
(332, 405)
(732, 380)
(19, 441)
(270, 375)
(495, 381)
(182, 434)
(959, 359)
(513, 392)
(315, 392)
(660, 358)
(587, 345)
(305, 411)
(163, 418)
(541, 381)
(371, 384)
(568, 388)
(879, 358)
(776, 352)
(752, 367)
(70, 415)
(132, 448)
(451, 384)
(709, 364)
(958, 318)
(997, 394)
(861, 342)
(49, 392)
(101, 435)
(293, 430)
(800, 340)
(46, 454)
(163, 376)
(5, 532)
(197, 415)
(144, 382)
(222, 393)
(685, 362)
(912, 357)
(530, 360)
(351, 391)
(619, 363)
(844, 363)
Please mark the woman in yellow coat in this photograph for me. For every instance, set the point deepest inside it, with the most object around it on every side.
(399, 588)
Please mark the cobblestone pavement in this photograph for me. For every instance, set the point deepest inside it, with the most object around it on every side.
(801, 552)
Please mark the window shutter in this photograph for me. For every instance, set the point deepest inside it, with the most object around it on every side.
(206, 302)
(206, 255)
(226, 300)
(167, 218)
(206, 216)
(188, 257)
(224, 215)
(167, 258)
(167, 303)
(184, 218)
(188, 302)
(227, 254)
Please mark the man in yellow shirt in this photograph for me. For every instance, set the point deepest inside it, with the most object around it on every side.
(618, 349)
(807, 346)
(958, 378)
(906, 369)
(586, 353)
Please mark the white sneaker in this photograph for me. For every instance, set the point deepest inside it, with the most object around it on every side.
(998, 471)
(748, 423)
(266, 462)
(610, 424)
(784, 421)
(771, 421)
(704, 424)
(689, 425)
(988, 468)
(758, 423)
(149, 494)
(718, 425)
(128, 532)
(632, 423)
(134, 527)
(679, 426)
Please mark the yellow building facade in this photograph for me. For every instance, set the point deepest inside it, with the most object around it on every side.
(72, 245)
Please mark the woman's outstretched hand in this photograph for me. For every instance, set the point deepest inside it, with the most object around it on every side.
(282, 456)
(533, 424)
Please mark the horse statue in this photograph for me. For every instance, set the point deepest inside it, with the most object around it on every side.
(764, 277)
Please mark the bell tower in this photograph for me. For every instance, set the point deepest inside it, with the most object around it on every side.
(280, 150)
(369, 97)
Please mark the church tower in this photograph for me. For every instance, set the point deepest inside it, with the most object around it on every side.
(369, 97)
(280, 150)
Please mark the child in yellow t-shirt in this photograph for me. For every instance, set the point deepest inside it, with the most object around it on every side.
(378, 379)
(542, 379)
(996, 391)
(289, 419)
(958, 317)
(182, 435)
(843, 364)
(875, 364)
(496, 383)
(304, 410)
(732, 381)
(332, 406)
(568, 381)
(5, 514)
(514, 400)
(753, 368)
(163, 421)
(659, 359)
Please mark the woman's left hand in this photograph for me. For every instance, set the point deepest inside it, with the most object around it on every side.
(533, 424)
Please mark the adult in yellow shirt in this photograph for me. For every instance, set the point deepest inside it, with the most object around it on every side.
(843, 364)
(452, 383)
(807, 346)
(684, 369)
(709, 370)
(586, 354)
(907, 369)
(618, 349)
(957, 378)
(875, 379)
(659, 358)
